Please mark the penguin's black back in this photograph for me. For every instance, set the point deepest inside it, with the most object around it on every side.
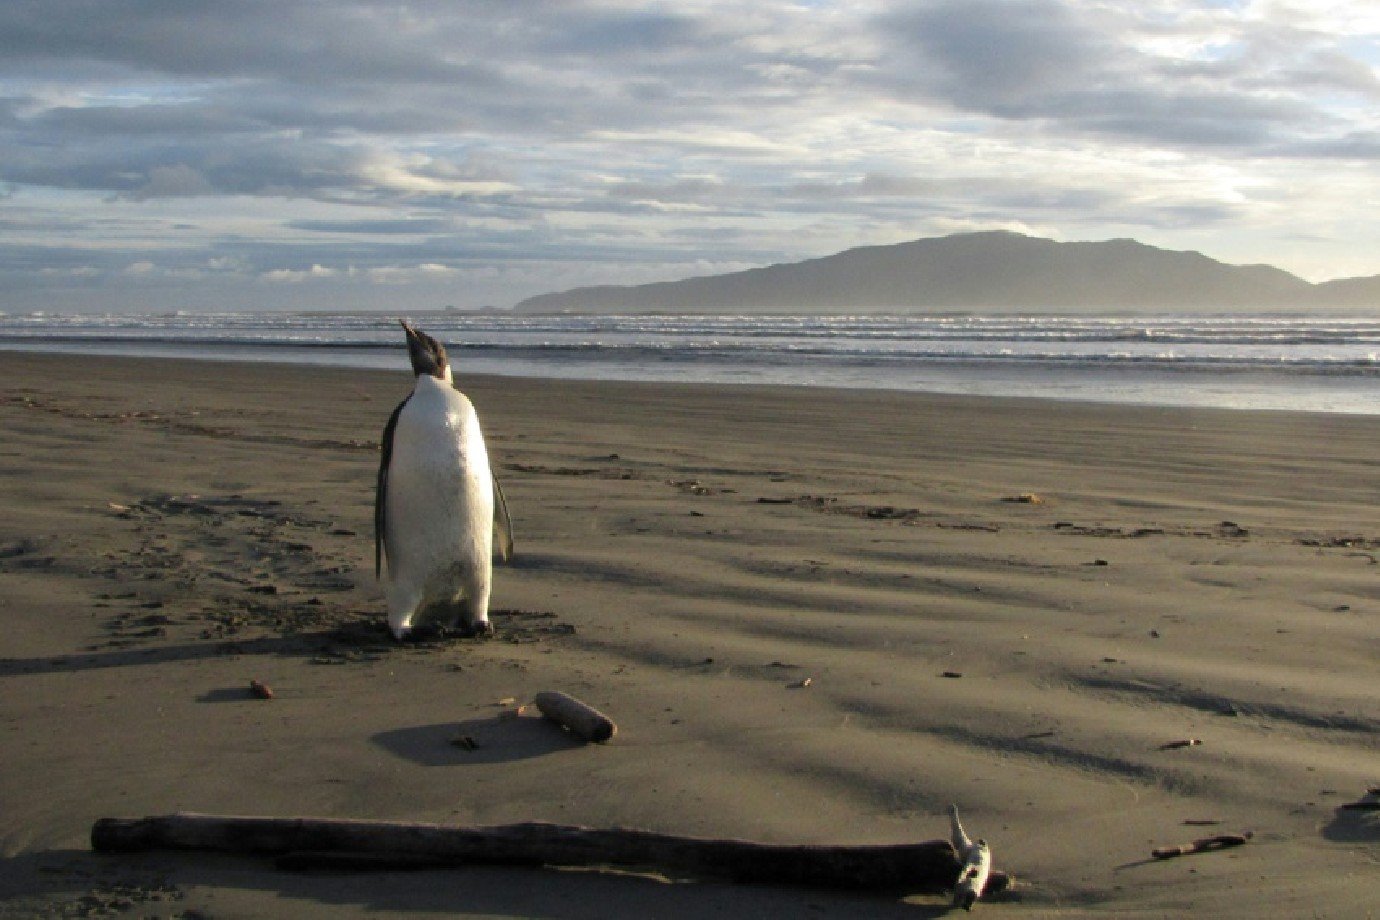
(381, 490)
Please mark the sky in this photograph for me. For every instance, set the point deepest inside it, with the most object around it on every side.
(339, 154)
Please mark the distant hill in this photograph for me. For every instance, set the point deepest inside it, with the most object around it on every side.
(1350, 292)
(987, 271)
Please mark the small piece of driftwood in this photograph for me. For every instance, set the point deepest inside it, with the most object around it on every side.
(1369, 802)
(583, 720)
(976, 861)
(1202, 845)
(925, 867)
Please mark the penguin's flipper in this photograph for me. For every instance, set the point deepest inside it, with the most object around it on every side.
(503, 525)
(381, 490)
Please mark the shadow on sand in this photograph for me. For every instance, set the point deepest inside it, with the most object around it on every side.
(68, 882)
(477, 742)
(1354, 825)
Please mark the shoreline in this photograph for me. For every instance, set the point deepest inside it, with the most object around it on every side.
(1243, 362)
(1105, 579)
(384, 361)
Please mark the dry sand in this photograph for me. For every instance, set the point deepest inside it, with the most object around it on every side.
(687, 555)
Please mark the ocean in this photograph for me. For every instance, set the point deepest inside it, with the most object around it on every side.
(1315, 364)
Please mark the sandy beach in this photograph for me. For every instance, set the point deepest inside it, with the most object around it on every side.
(816, 616)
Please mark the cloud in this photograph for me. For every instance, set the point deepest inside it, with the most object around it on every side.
(997, 55)
(173, 182)
(504, 144)
(423, 175)
(297, 276)
(375, 227)
(408, 274)
(1120, 72)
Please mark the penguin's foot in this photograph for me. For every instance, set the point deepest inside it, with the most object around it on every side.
(481, 630)
(432, 631)
(427, 631)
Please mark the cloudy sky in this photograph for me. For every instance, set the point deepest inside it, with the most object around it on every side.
(245, 154)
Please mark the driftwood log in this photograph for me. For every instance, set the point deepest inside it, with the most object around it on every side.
(1202, 845)
(583, 720)
(929, 866)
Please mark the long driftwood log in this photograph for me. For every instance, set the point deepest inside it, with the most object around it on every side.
(929, 866)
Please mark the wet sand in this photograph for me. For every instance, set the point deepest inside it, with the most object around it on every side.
(1017, 606)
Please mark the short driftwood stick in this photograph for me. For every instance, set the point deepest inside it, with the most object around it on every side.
(929, 866)
(586, 722)
(1202, 845)
(976, 858)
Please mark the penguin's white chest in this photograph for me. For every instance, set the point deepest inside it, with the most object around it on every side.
(440, 501)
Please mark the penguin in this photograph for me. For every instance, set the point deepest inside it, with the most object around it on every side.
(437, 504)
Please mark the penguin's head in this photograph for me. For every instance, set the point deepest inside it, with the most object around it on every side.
(428, 355)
